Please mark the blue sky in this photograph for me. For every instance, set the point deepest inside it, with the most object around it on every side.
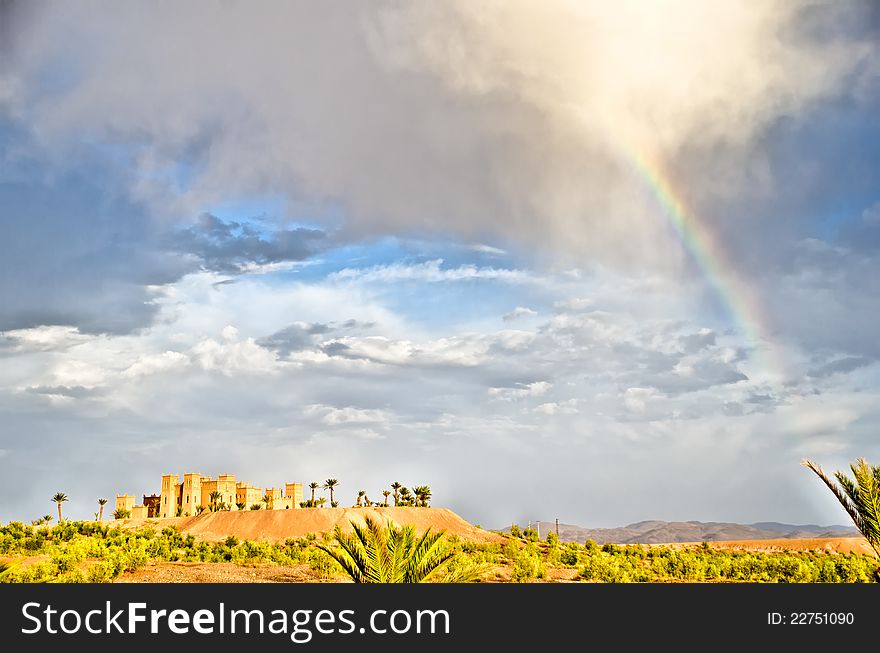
(406, 243)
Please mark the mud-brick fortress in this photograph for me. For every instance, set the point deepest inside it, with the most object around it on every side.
(197, 493)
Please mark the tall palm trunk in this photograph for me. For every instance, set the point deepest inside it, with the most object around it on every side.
(59, 512)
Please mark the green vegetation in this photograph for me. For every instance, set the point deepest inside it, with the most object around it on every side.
(860, 497)
(75, 551)
(389, 554)
(120, 513)
(330, 484)
(78, 552)
(59, 498)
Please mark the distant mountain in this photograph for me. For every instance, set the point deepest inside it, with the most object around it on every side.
(660, 532)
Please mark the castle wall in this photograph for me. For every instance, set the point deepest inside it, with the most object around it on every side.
(124, 502)
(184, 498)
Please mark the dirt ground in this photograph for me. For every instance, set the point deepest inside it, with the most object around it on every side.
(826, 544)
(278, 525)
(222, 572)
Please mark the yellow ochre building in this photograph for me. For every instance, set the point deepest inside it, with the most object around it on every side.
(197, 493)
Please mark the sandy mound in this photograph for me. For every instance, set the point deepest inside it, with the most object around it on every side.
(275, 525)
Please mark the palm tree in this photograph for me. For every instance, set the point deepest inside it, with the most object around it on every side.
(860, 498)
(267, 499)
(102, 503)
(389, 554)
(47, 518)
(360, 498)
(313, 486)
(59, 498)
(241, 505)
(256, 506)
(396, 487)
(214, 497)
(330, 484)
(406, 498)
(385, 494)
(423, 494)
(322, 501)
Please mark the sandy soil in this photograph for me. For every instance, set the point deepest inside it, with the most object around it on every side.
(826, 544)
(222, 572)
(278, 525)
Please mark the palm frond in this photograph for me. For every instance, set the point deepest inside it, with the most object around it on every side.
(860, 497)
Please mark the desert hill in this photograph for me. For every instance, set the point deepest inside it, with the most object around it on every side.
(276, 525)
(660, 532)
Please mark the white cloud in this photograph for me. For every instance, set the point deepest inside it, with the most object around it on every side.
(348, 415)
(429, 271)
(157, 364)
(518, 312)
(536, 389)
(574, 305)
(568, 407)
(42, 338)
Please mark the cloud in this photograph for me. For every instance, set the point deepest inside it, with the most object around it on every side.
(496, 125)
(839, 366)
(429, 271)
(348, 415)
(518, 312)
(295, 337)
(235, 247)
(524, 390)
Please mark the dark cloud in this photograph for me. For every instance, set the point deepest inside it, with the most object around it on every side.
(695, 342)
(839, 366)
(295, 337)
(229, 246)
(300, 335)
(74, 250)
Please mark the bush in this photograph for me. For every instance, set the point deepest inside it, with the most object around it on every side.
(528, 566)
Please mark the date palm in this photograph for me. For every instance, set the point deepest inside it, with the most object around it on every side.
(321, 502)
(330, 484)
(47, 518)
(423, 495)
(215, 498)
(360, 497)
(389, 554)
(396, 487)
(859, 497)
(241, 505)
(101, 503)
(406, 498)
(313, 486)
(385, 494)
(59, 498)
(267, 499)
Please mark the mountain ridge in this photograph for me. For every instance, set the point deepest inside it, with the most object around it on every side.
(662, 532)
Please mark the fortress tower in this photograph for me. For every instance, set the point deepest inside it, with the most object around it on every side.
(169, 496)
(192, 494)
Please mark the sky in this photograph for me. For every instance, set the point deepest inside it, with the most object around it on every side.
(601, 262)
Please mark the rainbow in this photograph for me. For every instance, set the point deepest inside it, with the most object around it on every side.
(739, 300)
